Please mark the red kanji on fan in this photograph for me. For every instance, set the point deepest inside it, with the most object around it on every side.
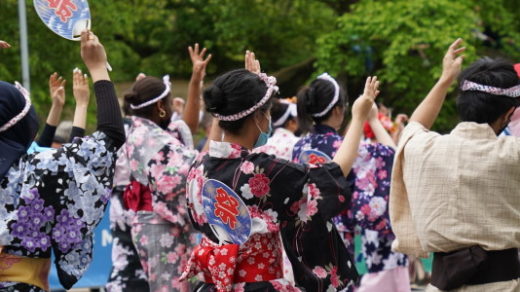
(63, 8)
(315, 159)
(226, 208)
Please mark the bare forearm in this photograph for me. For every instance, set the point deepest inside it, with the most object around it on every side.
(348, 151)
(381, 134)
(80, 116)
(191, 111)
(53, 119)
(426, 113)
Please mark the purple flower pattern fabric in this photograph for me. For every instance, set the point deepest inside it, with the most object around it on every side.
(53, 200)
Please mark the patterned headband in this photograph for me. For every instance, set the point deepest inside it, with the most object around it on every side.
(326, 76)
(270, 81)
(472, 86)
(24, 111)
(166, 81)
(291, 110)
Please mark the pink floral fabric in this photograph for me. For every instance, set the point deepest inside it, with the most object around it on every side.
(163, 237)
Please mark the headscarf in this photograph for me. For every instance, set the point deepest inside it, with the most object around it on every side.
(14, 141)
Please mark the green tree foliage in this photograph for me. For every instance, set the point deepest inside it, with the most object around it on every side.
(403, 42)
(152, 36)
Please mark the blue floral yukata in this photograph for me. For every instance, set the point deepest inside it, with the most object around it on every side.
(53, 200)
(371, 174)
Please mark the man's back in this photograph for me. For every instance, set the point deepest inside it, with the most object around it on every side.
(463, 188)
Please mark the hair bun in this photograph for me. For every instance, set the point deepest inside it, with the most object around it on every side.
(215, 99)
(132, 97)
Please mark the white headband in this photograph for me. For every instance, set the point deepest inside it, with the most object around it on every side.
(270, 81)
(326, 76)
(166, 81)
(291, 111)
(24, 111)
(472, 86)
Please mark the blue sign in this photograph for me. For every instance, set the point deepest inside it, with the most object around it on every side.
(314, 157)
(67, 18)
(99, 270)
(227, 214)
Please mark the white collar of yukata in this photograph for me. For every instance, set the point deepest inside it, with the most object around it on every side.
(220, 149)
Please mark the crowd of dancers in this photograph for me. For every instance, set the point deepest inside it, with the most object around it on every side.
(272, 198)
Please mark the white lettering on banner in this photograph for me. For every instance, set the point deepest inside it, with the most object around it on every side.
(106, 237)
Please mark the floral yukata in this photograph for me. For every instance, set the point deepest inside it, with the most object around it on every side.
(276, 193)
(127, 274)
(52, 201)
(371, 174)
(281, 144)
(156, 163)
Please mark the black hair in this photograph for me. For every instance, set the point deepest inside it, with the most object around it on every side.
(278, 110)
(142, 91)
(482, 107)
(233, 92)
(314, 99)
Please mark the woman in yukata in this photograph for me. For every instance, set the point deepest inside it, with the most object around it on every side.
(322, 105)
(285, 124)
(53, 200)
(155, 161)
(258, 194)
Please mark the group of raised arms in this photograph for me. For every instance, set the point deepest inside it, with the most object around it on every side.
(270, 199)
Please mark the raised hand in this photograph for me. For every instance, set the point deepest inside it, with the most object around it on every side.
(199, 62)
(140, 76)
(251, 63)
(401, 119)
(57, 89)
(363, 105)
(94, 55)
(452, 62)
(4, 45)
(178, 105)
(190, 112)
(80, 87)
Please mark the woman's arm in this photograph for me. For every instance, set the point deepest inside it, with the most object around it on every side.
(81, 91)
(108, 112)
(348, 150)
(191, 111)
(57, 92)
(380, 132)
